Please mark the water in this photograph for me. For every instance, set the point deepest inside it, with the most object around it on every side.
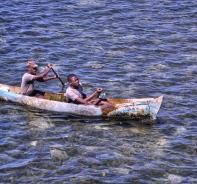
(132, 49)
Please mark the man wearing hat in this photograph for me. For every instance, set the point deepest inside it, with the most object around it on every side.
(27, 84)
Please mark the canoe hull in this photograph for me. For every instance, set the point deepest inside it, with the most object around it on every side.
(51, 105)
(120, 108)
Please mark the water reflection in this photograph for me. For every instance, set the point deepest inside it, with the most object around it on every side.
(40, 122)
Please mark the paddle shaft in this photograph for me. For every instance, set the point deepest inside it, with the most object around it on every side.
(98, 95)
(58, 77)
(100, 100)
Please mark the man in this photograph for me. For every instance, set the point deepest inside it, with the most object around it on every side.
(74, 93)
(27, 84)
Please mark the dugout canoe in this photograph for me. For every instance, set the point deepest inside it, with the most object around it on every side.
(145, 108)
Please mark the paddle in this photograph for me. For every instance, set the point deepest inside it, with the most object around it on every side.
(98, 95)
(101, 99)
(59, 79)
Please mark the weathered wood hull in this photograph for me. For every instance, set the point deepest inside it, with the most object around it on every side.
(121, 108)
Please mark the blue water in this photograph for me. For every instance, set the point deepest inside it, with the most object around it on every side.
(132, 49)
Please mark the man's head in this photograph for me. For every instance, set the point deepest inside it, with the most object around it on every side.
(32, 67)
(73, 80)
(32, 64)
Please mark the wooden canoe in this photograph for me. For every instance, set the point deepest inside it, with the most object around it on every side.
(146, 108)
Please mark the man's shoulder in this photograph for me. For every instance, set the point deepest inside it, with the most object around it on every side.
(28, 76)
(69, 89)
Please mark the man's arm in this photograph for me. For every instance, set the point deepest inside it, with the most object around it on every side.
(41, 77)
(86, 101)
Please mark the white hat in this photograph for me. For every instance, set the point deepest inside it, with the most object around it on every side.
(32, 64)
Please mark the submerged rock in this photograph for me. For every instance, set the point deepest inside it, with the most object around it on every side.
(58, 154)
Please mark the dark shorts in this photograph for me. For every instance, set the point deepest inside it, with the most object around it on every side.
(37, 93)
